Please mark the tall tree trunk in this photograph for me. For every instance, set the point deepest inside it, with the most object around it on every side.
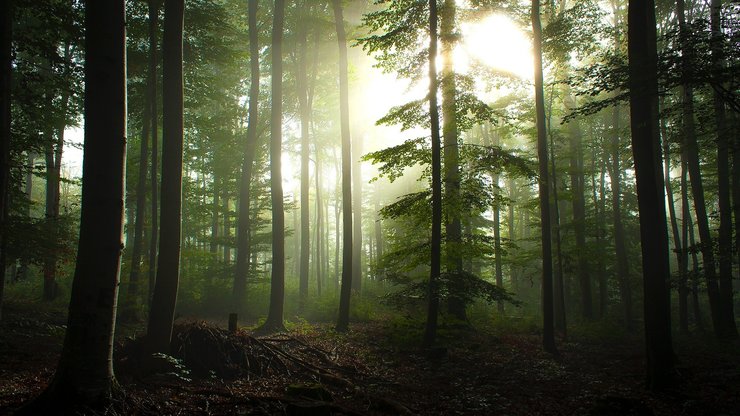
(53, 153)
(725, 301)
(164, 299)
(6, 61)
(453, 225)
(497, 252)
(694, 269)
(430, 329)
(319, 228)
(677, 242)
(277, 280)
(84, 375)
(302, 91)
(512, 237)
(683, 293)
(245, 181)
(620, 247)
(215, 208)
(357, 214)
(227, 230)
(559, 284)
(152, 96)
(598, 195)
(643, 81)
(548, 335)
(347, 254)
(337, 226)
(697, 189)
(577, 184)
(133, 281)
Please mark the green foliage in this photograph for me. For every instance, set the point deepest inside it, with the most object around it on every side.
(461, 285)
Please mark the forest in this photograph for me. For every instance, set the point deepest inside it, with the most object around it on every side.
(384, 207)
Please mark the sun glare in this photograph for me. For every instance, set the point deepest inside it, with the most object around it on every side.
(497, 42)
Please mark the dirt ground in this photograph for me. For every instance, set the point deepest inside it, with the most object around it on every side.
(311, 370)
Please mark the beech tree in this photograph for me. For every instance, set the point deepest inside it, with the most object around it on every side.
(274, 320)
(643, 83)
(548, 335)
(161, 317)
(347, 250)
(84, 375)
(243, 229)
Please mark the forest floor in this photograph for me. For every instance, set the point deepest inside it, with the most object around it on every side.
(376, 370)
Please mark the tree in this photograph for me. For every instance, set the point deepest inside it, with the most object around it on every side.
(277, 286)
(430, 330)
(548, 339)
(148, 125)
(305, 113)
(6, 60)
(153, 235)
(728, 328)
(84, 375)
(161, 317)
(453, 225)
(245, 182)
(347, 237)
(643, 82)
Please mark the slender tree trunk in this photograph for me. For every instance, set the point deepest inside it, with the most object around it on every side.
(277, 285)
(453, 225)
(245, 181)
(643, 81)
(162, 312)
(559, 284)
(227, 230)
(53, 152)
(6, 60)
(497, 252)
(84, 375)
(620, 247)
(337, 226)
(319, 228)
(684, 266)
(511, 235)
(215, 208)
(697, 188)
(598, 193)
(302, 91)
(725, 299)
(133, 284)
(548, 336)
(357, 214)
(152, 92)
(694, 270)
(347, 254)
(430, 329)
(677, 242)
(578, 200)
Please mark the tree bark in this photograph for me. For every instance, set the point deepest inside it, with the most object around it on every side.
(643, 82)
(84, 375)
(274, 320)
(577, 184)
(548, 336)
(430, 329)
(725, 299)
(347, 237)
(6, 62)
(152, 92)
(453, 225)
(245, 182)
(302, 91)
(159, 331)
(357, 214)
